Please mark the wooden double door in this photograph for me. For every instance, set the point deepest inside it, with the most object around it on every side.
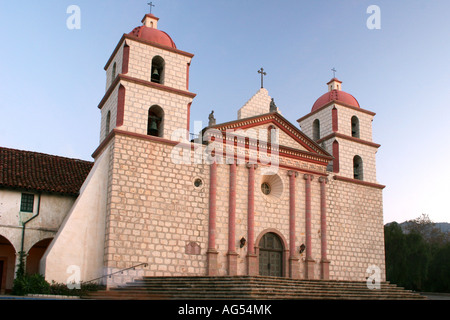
(270, 256)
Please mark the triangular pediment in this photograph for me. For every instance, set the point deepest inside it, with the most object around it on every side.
(290, 138)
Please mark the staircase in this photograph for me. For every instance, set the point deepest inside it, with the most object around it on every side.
(249, 288)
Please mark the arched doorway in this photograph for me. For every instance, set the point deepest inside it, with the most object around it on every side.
(35, 254)
(271, 255)
(7, 264)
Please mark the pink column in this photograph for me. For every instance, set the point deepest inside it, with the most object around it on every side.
(251, 256)
(212, 252)
(325, 263)
(309, 274)
(293, 259)
(232, 254)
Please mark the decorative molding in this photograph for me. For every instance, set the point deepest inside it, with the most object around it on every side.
(323, 180)
(250, 165)
(292, 172)
(339, 104)
(157, 45)
(285, 125)
(123, 77)
(157, 86)
(160, 46)
(360, 182)
(353, 139)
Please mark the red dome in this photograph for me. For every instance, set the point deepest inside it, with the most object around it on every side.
(153, 35)
(338, 96)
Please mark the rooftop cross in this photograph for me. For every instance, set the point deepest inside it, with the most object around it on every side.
(261, 71)
(151, 5)
(334, 72)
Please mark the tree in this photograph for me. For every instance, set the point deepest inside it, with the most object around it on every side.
(395, 248)
(427, 228)
(417, 261)
(439, 270)
(418, 258)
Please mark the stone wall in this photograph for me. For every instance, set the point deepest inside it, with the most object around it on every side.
(257, 105)
(355, 230)
(139, 99)
(158, 216)
(156, 213)
(324, 117)
(140, 63)
(348, 150)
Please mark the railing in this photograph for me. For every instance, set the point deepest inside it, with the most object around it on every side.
(113, 273)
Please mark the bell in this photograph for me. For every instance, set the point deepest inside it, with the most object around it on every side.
(155, 75)
(355, 172)
(153, 128)
(153, 125)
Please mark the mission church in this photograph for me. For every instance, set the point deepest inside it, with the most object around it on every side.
(299, 201)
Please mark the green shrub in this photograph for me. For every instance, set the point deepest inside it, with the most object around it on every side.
(36, 284)
(30, 284)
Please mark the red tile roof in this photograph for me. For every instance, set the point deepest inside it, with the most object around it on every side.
(41, 172)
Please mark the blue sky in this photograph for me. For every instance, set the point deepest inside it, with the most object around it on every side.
(53, 78)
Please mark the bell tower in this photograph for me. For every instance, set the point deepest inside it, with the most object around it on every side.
(147, 100)
(339, 124)
(147, 84)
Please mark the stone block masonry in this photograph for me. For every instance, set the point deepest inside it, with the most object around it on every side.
(155, 210)
(355, 230)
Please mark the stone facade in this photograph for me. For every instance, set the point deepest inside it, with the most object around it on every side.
(159, 200)
(154, 212)
(356, 230)
(157, 214)
(256, 105)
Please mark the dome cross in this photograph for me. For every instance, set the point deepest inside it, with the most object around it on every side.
(151, 5)
(334, 72)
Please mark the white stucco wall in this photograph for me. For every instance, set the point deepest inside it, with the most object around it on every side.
(80, 240)
(53, 209)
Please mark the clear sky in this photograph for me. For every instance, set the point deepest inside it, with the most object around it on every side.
(52, 77)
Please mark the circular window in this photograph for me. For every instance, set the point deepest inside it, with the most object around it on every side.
(265, 188)
(271, 187)
(198, 183)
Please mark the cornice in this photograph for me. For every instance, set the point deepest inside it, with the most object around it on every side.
(360, 182)
(192, 146)
(339, 104)
(137, 39)
(285, 125)
(353, 139)
(122, 77)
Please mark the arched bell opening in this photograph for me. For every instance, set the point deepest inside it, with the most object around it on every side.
(157, 72)
(358, 172)
(155, 126)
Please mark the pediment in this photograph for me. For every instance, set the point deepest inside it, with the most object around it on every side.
(290, 139)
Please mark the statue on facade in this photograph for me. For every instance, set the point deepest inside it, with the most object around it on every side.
(212, 120)
(273, 106)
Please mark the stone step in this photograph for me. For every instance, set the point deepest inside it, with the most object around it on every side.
(256, 283)
(247, 287)
(229, 296)
(254, 287)
(255, 280)
(266, 292)
(205, 286)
